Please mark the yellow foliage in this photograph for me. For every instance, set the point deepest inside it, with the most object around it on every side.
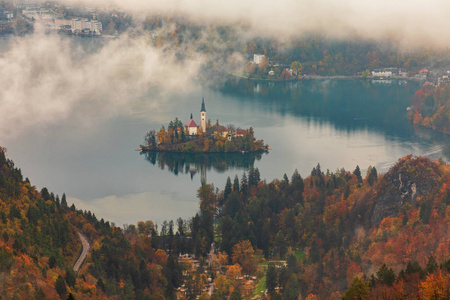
(234, 271)
(436, 286)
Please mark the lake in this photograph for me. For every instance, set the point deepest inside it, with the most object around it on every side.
(337, 123)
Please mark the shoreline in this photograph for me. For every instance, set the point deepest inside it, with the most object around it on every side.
(146, 149)
(320, 77)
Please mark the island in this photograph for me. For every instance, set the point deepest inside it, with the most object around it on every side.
(206, 138)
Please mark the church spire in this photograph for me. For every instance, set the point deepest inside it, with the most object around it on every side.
(203, 104)
(203, 116)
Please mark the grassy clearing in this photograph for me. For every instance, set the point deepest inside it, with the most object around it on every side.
(299, 255)
(260, 287)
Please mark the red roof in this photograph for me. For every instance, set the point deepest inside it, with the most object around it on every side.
(191, 123)
(221, 128)
(240, 131)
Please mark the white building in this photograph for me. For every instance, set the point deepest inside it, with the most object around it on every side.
(191, 127)
(257, 58)
(96, 26)
(80, 24)
(381, 73)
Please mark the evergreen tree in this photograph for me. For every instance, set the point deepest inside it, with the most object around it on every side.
(236, 184)
(271, 278)
(372, 175)
(101, 285)
(297, 182)
(60, 286)
(227, 190)
(285, 179)
(357, 173)
(70, 277)
(432, 265)
(281, 243)
(385, 275)
(64, 201)
(346, 191)
(244, 185)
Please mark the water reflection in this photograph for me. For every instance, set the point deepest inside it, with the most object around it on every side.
(347, 104)
(193, 163)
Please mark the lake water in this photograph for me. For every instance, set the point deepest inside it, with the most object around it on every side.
(337, 123)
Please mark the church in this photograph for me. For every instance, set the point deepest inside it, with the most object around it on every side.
(191, 126)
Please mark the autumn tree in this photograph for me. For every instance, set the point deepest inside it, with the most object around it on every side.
(250, 68)
(207, 198)
(358, 289)
(296, 69)
(263, 65)
(234, 271)
(243, 255)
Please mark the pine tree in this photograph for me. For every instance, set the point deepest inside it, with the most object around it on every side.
(236, 184)
(271, 278)
(227, 191)
(60, 286)
(64, 201)
(357, 173)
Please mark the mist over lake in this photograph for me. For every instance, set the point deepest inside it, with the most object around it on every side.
(337, 123)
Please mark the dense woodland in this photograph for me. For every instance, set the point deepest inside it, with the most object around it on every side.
(39, 245)
(333, 227)
(329, 235)
(431, 107)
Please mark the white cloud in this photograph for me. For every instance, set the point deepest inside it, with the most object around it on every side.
(408, 22)
(48, 78)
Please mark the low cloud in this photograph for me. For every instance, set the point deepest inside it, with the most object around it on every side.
(49, 78)
(412, 23)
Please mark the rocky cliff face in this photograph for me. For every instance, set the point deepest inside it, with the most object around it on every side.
(413, 180)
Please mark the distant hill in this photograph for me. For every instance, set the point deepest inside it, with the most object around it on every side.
(431, 107)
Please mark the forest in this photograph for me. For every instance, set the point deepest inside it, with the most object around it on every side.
(430, 107)
(331, 235)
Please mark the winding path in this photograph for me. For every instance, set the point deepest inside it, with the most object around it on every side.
(83, 254)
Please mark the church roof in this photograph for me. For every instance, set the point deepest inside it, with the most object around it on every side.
(191, 123)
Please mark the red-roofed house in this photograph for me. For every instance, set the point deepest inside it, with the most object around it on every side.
(221, 129)
(191, 127)
(240, 132)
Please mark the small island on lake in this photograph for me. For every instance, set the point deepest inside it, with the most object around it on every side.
(206, 138)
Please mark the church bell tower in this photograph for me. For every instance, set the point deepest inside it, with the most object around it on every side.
(203, 116)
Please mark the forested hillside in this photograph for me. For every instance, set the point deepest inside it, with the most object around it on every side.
(431, 107)
(346, 225)
(330, 235)
(39, 245)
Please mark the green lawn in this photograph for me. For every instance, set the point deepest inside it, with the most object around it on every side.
(260, 287)
(299, 255)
